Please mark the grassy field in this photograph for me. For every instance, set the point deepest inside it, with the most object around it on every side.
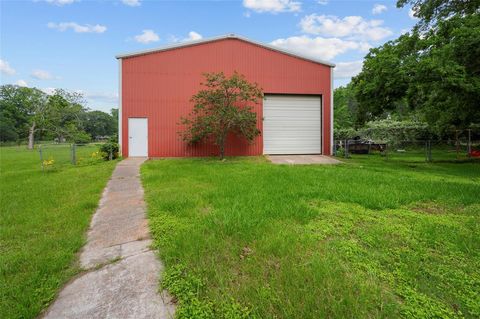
(43, 220)
(367, 239)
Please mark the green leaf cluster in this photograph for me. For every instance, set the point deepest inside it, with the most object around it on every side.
(431, 74)
(223, 107)
(61, 116)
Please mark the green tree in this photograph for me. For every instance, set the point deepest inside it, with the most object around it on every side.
(114, 113)
(7, 128)
(114, 137)
(433, 75)
(345, 107)
(22, 112)
(430, 12)
(65, 112)
(446, 78)
(98, 123)
(223, 107)
(384, 79)
(12, 114)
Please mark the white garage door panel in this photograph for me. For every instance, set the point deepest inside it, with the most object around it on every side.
(291, 124)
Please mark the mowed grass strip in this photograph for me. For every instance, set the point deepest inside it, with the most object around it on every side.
(43, 220)
(366, 239)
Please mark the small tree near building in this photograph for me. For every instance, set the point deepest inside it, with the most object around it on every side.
(225, 106)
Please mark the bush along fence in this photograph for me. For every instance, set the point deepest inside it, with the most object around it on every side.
(463, 145)
(55, 156)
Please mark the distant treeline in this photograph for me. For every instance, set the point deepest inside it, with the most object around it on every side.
(28, 114)
(428, 78)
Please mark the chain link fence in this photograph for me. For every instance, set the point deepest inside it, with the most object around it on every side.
(54, 156)
(463, 146)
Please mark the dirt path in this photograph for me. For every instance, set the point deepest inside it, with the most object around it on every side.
(122, 272)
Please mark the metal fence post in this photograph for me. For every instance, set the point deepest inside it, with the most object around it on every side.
(74, 157)
(41, 157)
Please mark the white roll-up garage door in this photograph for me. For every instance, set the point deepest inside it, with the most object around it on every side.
(292, 124)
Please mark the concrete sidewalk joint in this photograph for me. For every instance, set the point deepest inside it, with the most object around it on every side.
(124, 271)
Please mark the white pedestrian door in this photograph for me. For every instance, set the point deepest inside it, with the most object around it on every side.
(137, 137)
(292, 124)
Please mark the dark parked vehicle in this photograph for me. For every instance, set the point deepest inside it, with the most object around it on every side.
(359, 146)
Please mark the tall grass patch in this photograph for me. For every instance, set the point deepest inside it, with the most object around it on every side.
(43, 220)
(368, 238)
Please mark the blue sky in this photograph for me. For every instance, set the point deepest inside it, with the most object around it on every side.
(72, 44)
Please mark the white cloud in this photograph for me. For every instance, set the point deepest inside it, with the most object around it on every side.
(60, 2)
(78, 28)
(353, 27)
(411, 14)
(192, 35)
(345, 70)
(5, 68)
(147, 36)
(272, 6)
(379, 8)
(131, 3)
(318, 47)
(21, 83)
(323, 2)
(43, 75)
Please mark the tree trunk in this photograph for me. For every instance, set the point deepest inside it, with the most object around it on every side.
(31, 136)
(222, 150)
(223, 138)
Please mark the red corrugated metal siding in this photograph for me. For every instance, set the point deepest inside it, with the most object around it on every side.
(159, 86)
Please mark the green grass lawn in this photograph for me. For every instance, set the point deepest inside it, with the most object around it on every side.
(43, 220)
(366, 239)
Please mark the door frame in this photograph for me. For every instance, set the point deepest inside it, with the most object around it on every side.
(128, 124)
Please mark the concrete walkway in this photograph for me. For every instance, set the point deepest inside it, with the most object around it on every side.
(302, 159)
(122, 272)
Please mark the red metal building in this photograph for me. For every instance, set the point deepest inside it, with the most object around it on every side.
(295, 116)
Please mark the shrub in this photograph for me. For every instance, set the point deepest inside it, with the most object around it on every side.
(345, 133)
(109, 148)
(391, 130)
(387, 131)
(82, 138)
(113, 138)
